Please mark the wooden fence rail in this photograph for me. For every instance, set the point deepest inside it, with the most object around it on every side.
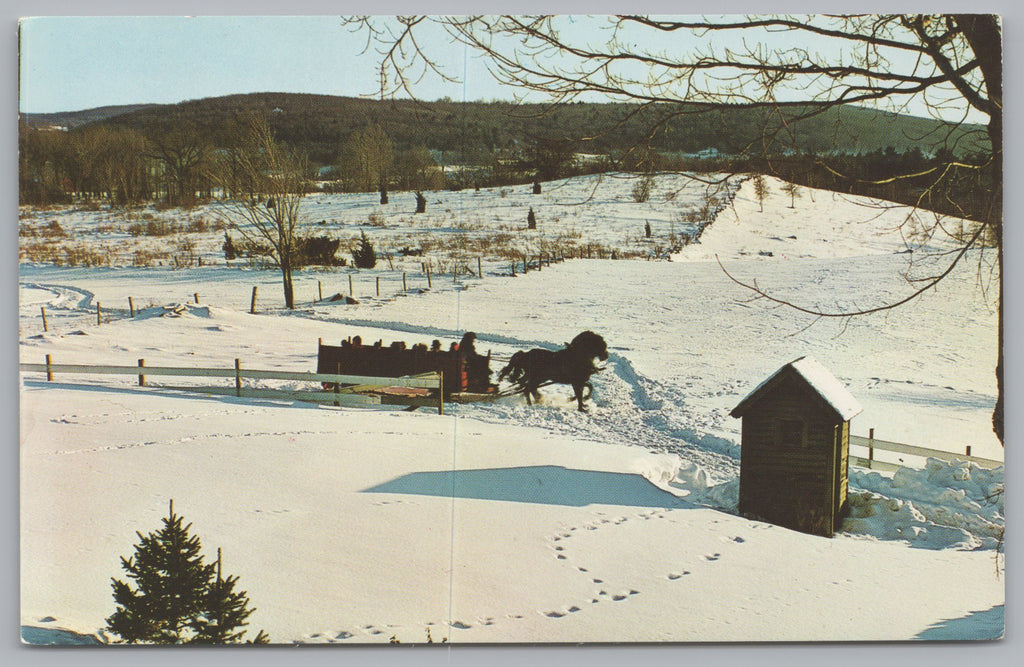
(872, 444)
(342, 395)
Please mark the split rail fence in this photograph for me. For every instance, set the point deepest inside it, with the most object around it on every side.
(350, 390)
(873, 445)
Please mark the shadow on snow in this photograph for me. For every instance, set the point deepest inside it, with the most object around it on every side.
(545, 485)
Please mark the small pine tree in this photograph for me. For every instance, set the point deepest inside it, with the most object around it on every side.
(421, 203)
(225, 611)
(647, 228)
(536, 187)
(760, 190)
(230, 252)
(531, 220)
(176, 599)
(793, 190)
(364, 256)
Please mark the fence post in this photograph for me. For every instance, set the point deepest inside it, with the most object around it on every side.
(429, 283)
(351, 292)
(43, 310)
(131, 307)
(968, 450)
(238, 378)
(196, 295)
(479, 268)
(405, 287)
(142, 378)
(252, 304)
(871, 446)
(99, 314)
(378, 285)
(320, 290)
(49, 373)
(440, 393)
(337, 385)
(513, 269)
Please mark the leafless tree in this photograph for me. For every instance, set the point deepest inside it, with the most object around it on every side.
(185, 156)
(789, 67)
(266, 211)
(368, 159)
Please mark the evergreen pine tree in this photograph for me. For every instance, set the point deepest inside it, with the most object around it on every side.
(176, 598)
(229, 248)
(793, 190)
(224, 612)
(531, 220)
(760, 190)
(365, 256)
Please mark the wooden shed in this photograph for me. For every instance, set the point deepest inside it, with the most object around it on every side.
(795, 448)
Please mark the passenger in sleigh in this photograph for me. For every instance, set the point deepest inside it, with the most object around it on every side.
(476, 371)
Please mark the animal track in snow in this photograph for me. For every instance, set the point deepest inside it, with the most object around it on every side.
(562, 614)
(711, 557)
(678, 575)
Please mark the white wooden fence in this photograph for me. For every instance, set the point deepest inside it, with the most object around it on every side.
(348, 388)
(872, 445)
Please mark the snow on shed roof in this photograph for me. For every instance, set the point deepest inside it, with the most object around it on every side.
(820, 379)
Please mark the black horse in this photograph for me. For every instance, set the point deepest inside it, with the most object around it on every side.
(572, 365)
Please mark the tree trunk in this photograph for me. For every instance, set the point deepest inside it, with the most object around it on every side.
(286, 282)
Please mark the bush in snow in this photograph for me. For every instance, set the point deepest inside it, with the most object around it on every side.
(318, 251)
(177, 599)
(642, 190)
(230, 252)
(364, 256)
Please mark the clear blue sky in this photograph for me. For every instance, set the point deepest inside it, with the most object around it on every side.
(73, 63)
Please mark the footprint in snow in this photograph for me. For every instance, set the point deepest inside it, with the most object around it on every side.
(677, 575)
(711, 557)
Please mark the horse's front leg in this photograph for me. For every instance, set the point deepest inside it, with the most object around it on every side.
(578, 388)
(531, 389)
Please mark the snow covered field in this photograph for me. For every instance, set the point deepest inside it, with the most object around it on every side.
(500, 522)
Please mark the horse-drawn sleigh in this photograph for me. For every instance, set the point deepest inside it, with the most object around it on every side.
(466, 373)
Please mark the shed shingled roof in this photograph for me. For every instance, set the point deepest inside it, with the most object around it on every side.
(819, 378)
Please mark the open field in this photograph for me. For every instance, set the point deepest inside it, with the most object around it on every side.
(500, 522)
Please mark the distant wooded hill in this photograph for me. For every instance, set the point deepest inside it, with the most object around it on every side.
(470, 132)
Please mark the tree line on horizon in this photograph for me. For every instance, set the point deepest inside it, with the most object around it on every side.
(181, 155)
